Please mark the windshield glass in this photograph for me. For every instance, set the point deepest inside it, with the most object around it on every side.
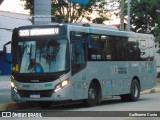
(42, 56)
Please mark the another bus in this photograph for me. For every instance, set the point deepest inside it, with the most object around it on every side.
(86, 62)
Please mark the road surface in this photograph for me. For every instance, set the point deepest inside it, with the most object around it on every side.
(148, 104)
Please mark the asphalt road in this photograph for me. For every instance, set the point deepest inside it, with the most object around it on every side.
(148, 103)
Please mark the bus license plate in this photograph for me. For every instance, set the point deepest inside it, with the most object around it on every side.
(34, 95)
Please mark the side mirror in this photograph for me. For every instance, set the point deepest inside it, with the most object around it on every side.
(4, 51)
(1, 52)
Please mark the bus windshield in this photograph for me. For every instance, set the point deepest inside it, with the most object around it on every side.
(42, 56)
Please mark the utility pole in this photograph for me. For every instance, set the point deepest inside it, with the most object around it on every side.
(129, 15)
(122, 16)
(1, 1)
(42, 12)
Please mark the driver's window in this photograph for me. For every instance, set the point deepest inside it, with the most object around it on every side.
(78, 53)
(78, 56)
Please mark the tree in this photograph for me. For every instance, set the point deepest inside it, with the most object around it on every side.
(70, 12)
(1, 1)
(64, 11)
(144, 16)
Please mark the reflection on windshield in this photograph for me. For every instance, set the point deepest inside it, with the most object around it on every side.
(42, 56)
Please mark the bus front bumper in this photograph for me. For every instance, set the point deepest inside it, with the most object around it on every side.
(43, 95)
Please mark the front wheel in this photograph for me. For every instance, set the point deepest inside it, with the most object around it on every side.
(92, 96)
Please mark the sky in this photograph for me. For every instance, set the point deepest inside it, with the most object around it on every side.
(15, 6)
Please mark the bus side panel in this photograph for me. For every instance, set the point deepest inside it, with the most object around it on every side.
(79, 80)
(148, 66)
(101, 71)
(149, 77)
(120, 75)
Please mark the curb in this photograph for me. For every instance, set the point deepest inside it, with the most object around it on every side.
(153, 90)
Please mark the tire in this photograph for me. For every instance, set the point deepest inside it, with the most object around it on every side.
(134, 92)
(45, 104)
(92, 96)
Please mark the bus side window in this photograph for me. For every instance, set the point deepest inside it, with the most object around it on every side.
(78, 56)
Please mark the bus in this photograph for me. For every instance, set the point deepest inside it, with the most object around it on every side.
(80, 62)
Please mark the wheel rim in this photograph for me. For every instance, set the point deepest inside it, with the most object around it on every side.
(135, 91)
(91, 94)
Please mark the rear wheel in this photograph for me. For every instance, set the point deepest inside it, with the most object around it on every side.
(45, 104)
(134, 92)
(92, 96)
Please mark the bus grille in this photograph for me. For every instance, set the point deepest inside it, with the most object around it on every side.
(42, 93)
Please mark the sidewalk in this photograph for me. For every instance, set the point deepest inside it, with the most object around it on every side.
(153, 90)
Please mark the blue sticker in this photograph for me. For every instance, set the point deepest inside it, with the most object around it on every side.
(110, 84)
(38, 69)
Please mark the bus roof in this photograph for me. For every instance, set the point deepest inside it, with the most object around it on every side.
(107, 30)
(100, 26)
(94, 28)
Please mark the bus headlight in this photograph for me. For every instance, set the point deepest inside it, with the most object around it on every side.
(12, 85)
(61, 85)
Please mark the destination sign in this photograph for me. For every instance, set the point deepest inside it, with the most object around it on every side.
(38, 32)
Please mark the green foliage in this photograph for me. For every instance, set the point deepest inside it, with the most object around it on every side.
(144, 16)
(70, 12)
(99, 20)
(29, 5)
(63, 11)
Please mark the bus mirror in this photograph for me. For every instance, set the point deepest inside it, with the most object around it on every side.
(4, 51)
(1, 51)
(5, 48)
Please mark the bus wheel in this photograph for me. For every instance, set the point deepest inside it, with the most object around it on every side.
(134, 92)
(92, 96)
(45, 104)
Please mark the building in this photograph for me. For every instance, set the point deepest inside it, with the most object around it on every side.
(8, 21)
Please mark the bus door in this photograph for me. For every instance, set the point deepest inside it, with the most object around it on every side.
(78, 64)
